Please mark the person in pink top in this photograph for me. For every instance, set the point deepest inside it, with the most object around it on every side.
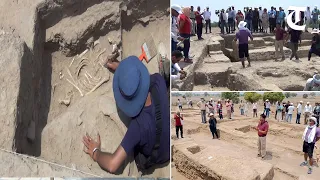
(262, 129)
(228, 106)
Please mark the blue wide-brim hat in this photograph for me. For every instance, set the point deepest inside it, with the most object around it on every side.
(131, 83)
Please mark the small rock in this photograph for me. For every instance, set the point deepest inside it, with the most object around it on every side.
(145, 20)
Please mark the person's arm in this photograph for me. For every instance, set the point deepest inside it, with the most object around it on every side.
(107, 161)
(174, 37)
(177, 67)
(175, 77)
(264, 132)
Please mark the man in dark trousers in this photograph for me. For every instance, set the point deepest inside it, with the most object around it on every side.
(179, 124)
(199, 23)
(213, 126)
(295, 40)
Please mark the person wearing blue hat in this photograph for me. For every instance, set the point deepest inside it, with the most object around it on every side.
(143, 97)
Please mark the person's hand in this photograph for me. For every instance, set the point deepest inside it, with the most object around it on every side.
(181, 38)
(90, 145)
(182, 76)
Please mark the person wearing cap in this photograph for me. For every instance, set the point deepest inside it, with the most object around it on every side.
(315, 17)
(313, 84)
(268, 107)
(175, 11)
(262, 129)
(299, 111)
(179, 124)
(310, 136)
(207, 18)
(143, 98)
(242, 35)
(203, 107)
(307, 112)
(213, 126)
(315, 46)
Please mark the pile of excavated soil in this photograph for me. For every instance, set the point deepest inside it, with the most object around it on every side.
(53, 87)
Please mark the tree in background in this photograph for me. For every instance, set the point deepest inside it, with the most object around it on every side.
(273, 97)
(188, 94)
(305, 96)
(252, 97)
(294, 94)
(287, 94)
(313, 94)
(176, 94)
(234, 96)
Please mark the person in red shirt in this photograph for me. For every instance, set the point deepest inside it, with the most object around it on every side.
(199, 20)
(280, 37)
(262, 129)
(179, 123)
(185, 32)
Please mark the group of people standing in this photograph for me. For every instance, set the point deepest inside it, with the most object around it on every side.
(261, 19)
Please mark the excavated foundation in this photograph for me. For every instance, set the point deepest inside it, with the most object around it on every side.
(219, 67)
(58, 89)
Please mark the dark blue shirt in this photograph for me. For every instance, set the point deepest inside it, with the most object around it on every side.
(295, 36)
(249, 16)
(141, 134)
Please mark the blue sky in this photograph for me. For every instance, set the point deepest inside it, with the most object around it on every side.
(239, 4)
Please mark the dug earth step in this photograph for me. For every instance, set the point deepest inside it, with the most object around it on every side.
(214, 162)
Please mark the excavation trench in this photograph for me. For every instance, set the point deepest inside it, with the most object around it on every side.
(64, 89)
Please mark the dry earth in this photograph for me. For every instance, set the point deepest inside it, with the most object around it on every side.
(198, 156)
(52, 93)
(216, 65)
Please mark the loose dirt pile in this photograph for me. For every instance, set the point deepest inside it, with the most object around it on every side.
(216, 65)
(54, 87)
(234, 156)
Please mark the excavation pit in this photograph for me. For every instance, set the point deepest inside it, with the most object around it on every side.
(58, 87)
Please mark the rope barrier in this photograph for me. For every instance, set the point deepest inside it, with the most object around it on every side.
(48, 162)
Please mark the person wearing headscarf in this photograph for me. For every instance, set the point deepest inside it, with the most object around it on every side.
(265, 20)
(310, 136)
(239, 17)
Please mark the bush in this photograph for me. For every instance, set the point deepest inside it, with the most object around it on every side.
(234, 96)
(273, 96)
(305, 96)
(252, 97)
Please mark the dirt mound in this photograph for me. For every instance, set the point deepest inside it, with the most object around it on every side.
(54, 87)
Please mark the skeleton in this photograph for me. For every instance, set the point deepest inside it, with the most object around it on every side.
(86, 72)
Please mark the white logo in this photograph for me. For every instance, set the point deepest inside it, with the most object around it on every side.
(297, 18)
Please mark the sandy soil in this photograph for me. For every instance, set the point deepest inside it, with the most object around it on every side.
(283, 141)
(48, 113)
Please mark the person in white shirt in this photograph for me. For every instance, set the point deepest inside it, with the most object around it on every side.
(299, 111)
(307, 15)
(307, 112)
(207, 18)
(268, 106)
(175, 11)
(255, 109)
(260, 19)
(180, 105)
(223, 20)
(290, 112)
(176, 72)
